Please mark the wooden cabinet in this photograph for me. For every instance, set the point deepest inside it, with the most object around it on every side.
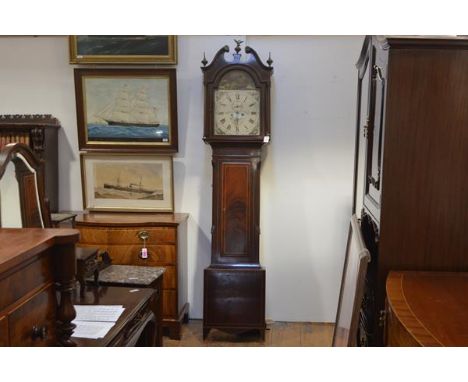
(411, 160)
(120, 234)
(35, 264)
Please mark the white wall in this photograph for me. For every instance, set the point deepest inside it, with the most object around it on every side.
(307, 171)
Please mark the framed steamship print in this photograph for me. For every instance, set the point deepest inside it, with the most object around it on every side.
(127, 182)
(122, 110)
(123, 49)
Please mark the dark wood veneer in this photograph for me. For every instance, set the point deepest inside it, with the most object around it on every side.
(421, 218)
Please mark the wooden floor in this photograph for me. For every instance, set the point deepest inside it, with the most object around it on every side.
(277, 334)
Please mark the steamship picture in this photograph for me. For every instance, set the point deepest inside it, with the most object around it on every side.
(136, 181)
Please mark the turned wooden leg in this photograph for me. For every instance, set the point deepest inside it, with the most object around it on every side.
(64, 274)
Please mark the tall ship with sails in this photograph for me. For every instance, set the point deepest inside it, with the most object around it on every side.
(130, 109)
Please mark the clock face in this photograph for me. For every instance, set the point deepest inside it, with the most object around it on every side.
(237, 112)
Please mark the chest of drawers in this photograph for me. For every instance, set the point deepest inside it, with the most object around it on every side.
(121, 235)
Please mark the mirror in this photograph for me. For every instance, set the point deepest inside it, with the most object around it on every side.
(10, 208)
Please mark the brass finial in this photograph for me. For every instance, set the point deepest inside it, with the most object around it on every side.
(238, 48)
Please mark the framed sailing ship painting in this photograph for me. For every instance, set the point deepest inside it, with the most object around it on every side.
(123, 110)
(133, 49)
(127, 182)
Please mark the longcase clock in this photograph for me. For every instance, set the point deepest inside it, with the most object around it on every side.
(237, 125)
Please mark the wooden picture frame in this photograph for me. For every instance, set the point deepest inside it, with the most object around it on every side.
(127, 182)
(352, 287)
(131, 49)
(123, 110)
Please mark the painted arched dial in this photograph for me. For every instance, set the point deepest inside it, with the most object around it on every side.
(237, 105)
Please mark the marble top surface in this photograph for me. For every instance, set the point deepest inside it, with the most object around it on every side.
(130, 274)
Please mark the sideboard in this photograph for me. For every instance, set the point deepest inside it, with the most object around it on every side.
(35, 265)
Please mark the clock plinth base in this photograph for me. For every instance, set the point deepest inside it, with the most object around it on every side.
(234, 299)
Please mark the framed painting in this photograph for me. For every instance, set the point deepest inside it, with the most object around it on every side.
(126, 109)
(127, 182)
(132, 49)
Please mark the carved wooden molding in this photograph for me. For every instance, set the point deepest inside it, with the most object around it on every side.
(28, 119)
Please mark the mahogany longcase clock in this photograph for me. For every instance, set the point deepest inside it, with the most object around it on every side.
(237, 125)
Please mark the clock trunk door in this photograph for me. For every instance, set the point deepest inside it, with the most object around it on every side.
(235, 213)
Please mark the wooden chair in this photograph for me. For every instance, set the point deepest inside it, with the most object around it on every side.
(352, 287)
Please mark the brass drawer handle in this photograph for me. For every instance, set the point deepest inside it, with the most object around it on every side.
(39, 332)
(143, 235)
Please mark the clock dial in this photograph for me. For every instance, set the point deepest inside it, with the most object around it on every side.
(237, 112)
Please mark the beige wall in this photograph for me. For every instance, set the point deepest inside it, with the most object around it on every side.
(307, 172)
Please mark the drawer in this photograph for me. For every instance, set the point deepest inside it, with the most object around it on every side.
(38, 311)
(129, 254)
(132, 330)
(18, 284)
(156, 235)
(4, 331)
(93, 235)
(170, 304)
(130, 235)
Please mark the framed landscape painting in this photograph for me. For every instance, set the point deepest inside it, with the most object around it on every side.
(127, 182)
(126, 109)
(132, 49)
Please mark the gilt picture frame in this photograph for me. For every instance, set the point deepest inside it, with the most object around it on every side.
(127, 182)
(123, 110)
(120, 49)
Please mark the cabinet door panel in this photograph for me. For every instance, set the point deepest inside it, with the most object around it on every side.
(235, 204)
(363, 123)
(378, 96)
(375, 134)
